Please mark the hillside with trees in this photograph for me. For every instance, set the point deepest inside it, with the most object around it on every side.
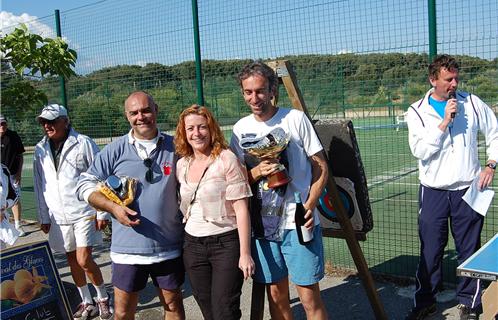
(330, 84)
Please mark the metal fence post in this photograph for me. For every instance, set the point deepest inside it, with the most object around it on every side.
(432, 30)
(198, 67)
(62, 81)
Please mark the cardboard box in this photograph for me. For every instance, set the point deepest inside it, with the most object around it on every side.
(490, 302)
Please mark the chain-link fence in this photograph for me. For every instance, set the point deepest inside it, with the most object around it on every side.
(362, 60)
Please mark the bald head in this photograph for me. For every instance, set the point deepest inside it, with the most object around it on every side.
(139, 96)
(141, 112)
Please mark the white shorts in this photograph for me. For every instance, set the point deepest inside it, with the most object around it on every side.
(17, 188)
(67, 237)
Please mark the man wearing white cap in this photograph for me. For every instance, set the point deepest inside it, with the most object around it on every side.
(73, 226)
(12, 150)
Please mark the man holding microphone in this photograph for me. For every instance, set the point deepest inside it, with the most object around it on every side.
(443, 135)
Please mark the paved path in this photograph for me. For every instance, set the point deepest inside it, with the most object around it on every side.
(344, 296)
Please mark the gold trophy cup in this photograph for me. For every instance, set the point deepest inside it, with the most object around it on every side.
(269, 147)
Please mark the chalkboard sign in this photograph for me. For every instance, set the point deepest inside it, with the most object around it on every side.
(30, 284)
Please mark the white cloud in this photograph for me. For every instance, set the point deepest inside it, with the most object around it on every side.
(9, 22)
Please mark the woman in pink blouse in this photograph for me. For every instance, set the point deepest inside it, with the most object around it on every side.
(214, 192)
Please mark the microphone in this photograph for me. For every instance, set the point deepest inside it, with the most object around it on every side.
(452, 95)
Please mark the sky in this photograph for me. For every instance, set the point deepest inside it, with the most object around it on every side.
(117, 32)
(14, 12)
(41, 8)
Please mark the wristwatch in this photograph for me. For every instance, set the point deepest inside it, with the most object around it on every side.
(491, 165)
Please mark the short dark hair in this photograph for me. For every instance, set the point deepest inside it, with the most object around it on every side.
(259, 68)
(442, 61)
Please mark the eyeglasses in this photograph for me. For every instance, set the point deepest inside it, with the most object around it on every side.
(3, 124)
(149, 175)
(43, 121)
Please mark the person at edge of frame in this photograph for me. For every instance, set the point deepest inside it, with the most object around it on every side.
(282, 258)
(443, 134)
(73, 226)
(8, 197)
(147, 235)
(12, 157)
(214, 192)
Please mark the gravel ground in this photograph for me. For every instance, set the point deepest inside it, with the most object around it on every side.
(342, 292)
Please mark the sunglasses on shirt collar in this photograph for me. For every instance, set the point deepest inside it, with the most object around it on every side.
(149, 175)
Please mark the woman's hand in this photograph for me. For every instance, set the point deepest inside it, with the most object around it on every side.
(246, 264)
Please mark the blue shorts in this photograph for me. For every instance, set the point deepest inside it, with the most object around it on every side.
(276, 260)
(168, 275)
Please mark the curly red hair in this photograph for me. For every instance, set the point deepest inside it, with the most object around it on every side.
(183, 148)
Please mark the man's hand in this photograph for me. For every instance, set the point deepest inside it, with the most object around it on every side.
(126, 216)
(45, 227)
(101, 224)
(485, 178)
(310, 220)
(451, 107)
(263, 169)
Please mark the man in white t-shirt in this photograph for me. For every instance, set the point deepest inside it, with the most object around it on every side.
(281, 257)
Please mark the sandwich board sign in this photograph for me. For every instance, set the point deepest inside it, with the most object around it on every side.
(31, 287)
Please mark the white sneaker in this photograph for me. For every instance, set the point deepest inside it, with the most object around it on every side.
(21, 231)
(105, 309)
(85, 311)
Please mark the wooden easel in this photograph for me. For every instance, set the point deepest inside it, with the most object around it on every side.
(287, 76)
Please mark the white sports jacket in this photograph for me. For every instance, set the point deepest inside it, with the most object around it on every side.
(55, 190)
(449, 160)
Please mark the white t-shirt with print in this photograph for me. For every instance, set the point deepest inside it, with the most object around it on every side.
(303, 144)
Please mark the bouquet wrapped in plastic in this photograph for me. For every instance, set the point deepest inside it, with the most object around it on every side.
(120, 190)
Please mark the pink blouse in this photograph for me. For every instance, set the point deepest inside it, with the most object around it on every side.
(225, 180)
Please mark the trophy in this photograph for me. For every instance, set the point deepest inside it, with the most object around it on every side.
(269, 147)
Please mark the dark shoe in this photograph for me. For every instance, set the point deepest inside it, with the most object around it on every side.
(421, 313)
(466, 313)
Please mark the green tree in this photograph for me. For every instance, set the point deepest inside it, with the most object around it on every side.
(25, 58)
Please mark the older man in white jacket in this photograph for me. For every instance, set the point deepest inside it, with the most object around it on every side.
(73, 226)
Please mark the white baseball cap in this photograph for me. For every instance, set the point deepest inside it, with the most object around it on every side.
(52, 111)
